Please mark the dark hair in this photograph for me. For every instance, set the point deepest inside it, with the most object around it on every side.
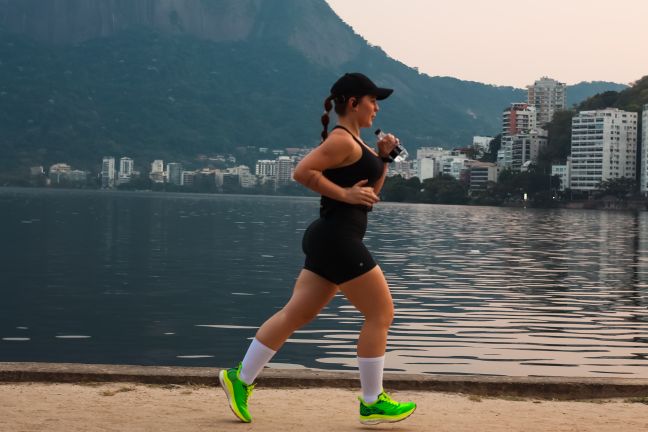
(340, 109)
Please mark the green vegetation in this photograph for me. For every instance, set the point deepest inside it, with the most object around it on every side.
(577, 93)
(149, 96)
(154, 95)
(150, 92)
(540, 188)
(493, 148)
(620, 188)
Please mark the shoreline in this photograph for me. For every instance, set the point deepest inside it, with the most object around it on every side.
(555, 388)
(599, 204)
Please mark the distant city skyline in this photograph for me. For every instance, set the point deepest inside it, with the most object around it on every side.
(508, 42)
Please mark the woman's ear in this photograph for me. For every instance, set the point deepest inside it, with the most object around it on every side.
(354, 102)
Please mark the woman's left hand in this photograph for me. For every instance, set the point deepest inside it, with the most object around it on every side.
(387, 144)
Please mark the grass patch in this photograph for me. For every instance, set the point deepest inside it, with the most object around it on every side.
(641, 400)
(512, 398)
(119, 390)
(91, 384)
(170, 386)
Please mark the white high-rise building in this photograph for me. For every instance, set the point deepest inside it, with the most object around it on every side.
(157, 166)
(603, 147)
(526, 147)
(126, 166)
(174, 173)
(644, 151)
(547, 96)
(157, 174)
(453, 165)
(245, 178)
(521, 138)
(266, 167)
(284, 170)
(188, 178)
(518, 118)
(564, 172)
(125, 170)
(427, 168)
(505, 153)
(108, 172)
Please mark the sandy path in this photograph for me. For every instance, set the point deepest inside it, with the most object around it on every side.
(135, 407)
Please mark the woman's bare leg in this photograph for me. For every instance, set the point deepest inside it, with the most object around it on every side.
(370, 294)
(310, 295)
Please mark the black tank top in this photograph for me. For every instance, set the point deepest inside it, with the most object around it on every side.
(369, 167)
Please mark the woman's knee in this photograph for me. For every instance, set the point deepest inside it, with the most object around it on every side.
(298, 318)
(380, 318)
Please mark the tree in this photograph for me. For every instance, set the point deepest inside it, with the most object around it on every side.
(513, 185)
(621, 188)
(444, 189)
(399, 189)
(493, 148)
(559, 143)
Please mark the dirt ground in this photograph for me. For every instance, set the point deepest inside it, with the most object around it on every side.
(136, 407)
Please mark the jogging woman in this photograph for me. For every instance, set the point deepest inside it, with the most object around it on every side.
(349, 175)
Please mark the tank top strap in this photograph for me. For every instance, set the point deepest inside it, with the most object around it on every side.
(352, 135)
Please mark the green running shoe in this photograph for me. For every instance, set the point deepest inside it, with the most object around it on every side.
(237, 392)
(385, 410)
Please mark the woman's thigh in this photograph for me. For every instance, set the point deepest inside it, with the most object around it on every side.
(310, 294)
(369, 293)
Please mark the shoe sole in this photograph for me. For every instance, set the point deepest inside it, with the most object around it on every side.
(229, 392)
(387, 420)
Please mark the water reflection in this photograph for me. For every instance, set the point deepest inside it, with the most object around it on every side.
(512, 292)
(186, 279)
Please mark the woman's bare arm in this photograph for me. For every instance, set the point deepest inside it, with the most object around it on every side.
(381, 181)
(385, 146)
(335, 151)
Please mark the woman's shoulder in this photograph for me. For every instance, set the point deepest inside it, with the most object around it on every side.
(339, 140)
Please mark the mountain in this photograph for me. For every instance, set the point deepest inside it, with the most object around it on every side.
(633, 98)
(577, 93)
(173, 79)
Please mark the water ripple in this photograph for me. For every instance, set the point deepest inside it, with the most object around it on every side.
(477, 290)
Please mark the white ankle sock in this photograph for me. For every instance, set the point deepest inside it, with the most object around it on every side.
(256, 357)
(371, 377)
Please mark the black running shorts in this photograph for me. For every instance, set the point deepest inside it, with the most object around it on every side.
(333, 246)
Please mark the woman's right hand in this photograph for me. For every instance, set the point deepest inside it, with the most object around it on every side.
(361, 194)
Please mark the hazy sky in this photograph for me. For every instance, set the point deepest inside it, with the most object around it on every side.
(508, 42)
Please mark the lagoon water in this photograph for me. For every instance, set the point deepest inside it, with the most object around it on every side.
(185, 279)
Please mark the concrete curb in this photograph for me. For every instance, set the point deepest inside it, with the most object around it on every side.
(565, 388)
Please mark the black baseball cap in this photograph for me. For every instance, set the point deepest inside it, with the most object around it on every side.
(357, 84)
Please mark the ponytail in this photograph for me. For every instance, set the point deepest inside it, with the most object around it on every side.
(340, 109)
(325, 117)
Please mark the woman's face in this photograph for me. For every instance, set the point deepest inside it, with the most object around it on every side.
(366, 110)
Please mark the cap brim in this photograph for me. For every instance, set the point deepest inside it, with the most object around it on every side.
(383, 93)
